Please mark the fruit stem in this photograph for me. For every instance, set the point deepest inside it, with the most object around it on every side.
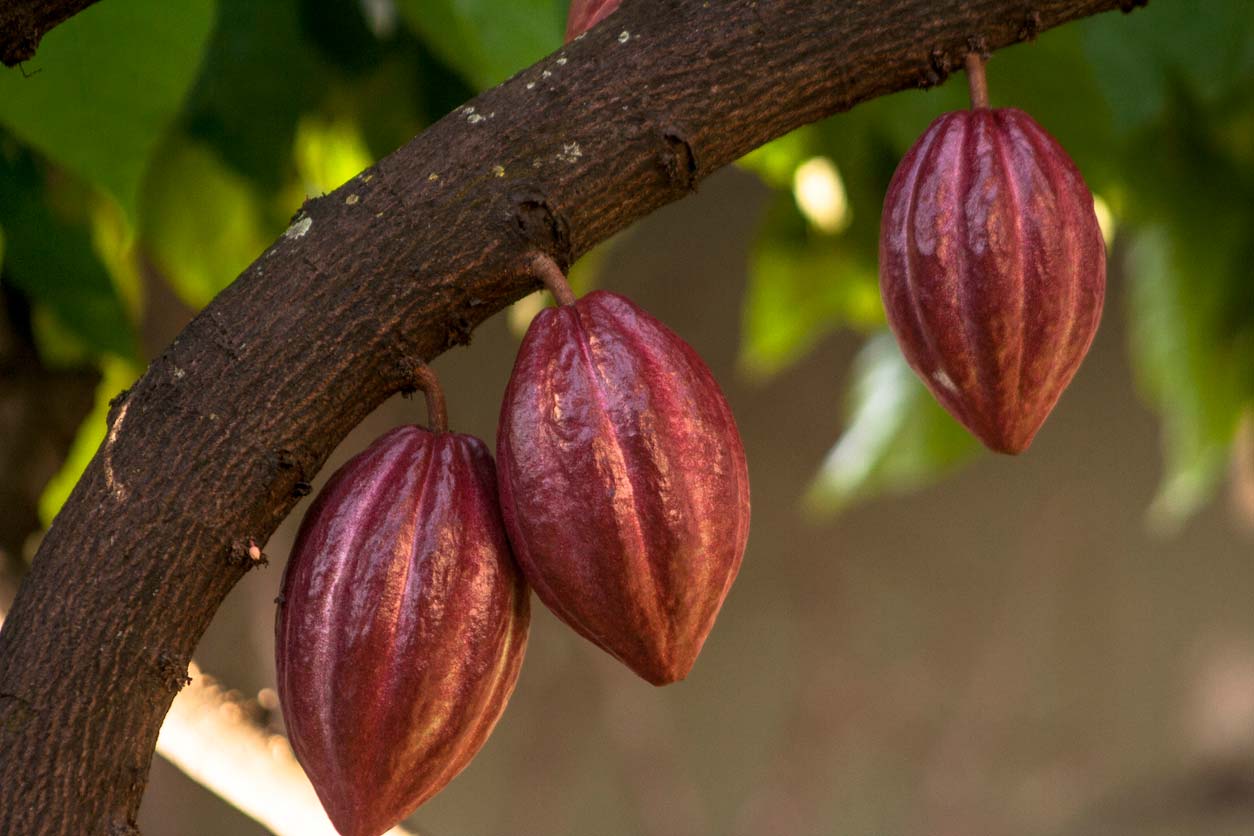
(976, 81)
(553, 277)
(437, 412)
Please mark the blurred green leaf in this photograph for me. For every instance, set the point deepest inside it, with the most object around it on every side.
(199, 245)
(795, 296)
(776, 161)
(116, 376)
(1138, 58)
(50, 254)
(260, 75)
(896, 436)
(487, 41)
(813, 268)
(329, 153)
(105, 85)
(1198, 373)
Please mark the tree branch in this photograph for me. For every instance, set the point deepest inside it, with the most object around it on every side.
(212, 447)
(23, 24)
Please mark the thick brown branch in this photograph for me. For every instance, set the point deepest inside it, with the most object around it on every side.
(23, 24)
(213, 445)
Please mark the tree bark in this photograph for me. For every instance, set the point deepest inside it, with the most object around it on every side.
(214, 444)
(23, 24)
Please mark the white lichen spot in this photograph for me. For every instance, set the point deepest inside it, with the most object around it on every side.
(546, 74)
(570, 152)
(366, 178)
(378, 214)
(298, 228)
(433, 176)
(178, 373)
(468, 109)
(498, 171)
(561, 62)
(944, 380)
(475, 118)
(536, 162)
(531, 85)
(352, 199)
(115, 485)
(624, 36)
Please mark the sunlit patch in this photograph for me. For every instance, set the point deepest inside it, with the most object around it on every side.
(524, 310)
(328, 153)
(1105, 218)
(820, 194)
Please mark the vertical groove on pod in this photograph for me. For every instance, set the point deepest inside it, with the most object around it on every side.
(1007, 177)
(962, 270)
(647, 609)
(1066, 361)
(913, 270)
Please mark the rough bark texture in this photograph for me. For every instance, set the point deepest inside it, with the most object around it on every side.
(23, 24)
(215, 443)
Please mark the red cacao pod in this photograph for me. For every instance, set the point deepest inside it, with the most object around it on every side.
(992, 270)
(623, 482)
(584, 14)
(402, 626)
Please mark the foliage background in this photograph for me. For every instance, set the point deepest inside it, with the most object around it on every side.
(152, 150)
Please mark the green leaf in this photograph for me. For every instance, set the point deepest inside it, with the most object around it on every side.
(1140, 58)
(329, 153)
(896, 438)
(1194, 361)
(796, 296)
(487, 41)
(116, 376)
(50, 254)
(776, 161)
(199, 245)
(260, 75)
(105, 85)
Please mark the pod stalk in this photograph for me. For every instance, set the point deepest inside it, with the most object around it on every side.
(425, 380)
(553, 278)
(976, 81)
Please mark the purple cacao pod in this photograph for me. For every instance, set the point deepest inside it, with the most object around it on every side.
(992, 270)
(623, 482)
(402, 626)
(584, 14)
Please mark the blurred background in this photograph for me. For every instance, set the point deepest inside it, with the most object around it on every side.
(925, 639)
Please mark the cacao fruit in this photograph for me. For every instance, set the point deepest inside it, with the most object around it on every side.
(402, 626)
(992, 270)
(584, 14)
(623, 482)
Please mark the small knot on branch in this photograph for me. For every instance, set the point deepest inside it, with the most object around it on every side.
(679, 160)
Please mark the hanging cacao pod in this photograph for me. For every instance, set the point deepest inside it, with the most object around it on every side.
(402, 626)
(992, 270)
(623, 482)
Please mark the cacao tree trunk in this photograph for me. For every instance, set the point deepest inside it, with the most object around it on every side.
(214, 444)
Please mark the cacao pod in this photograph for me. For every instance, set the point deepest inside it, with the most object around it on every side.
(623, 482)
(584, 14)
(402, 626)
(992, 270)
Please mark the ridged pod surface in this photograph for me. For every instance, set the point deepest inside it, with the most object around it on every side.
(402, 626)
(623, 482)
(992, 270)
